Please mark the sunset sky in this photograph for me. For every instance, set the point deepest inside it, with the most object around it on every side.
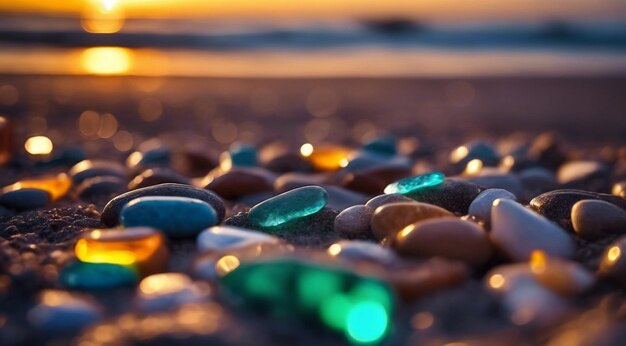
(432, 10)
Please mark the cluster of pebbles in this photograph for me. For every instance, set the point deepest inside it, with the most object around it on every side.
(370, 244)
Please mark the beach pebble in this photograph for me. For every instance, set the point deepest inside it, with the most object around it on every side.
(24, 199)
(390, 219)
(60, 312)
(97, 276)
(103, 186)
(7, 140)
(364, 161)
(381, 200)
(327, 157)
(93, 168)
(176, 216)
(156, 176)
(619, 189)
(416, 183)
(587, 175)
(66, 157)
(446, 237)
(595, 218)
(454, 195)
(557, 205)
(518, 231)
(288, 206)
(340, 198)
(563, 277)
(150, 153)
(277, 157)
(476, 150)
(546, 150)
(167, 291)
(385, 145)
(238, 182)
(613, 262)
(110, 213)
(290, 181)
(195, 159)
(427, 277)
(480, 208)
(537, 180)
(142, 247)
(354, 221)
(226, 238)
(357, 250)
(56, 185)
(239, 155)
(363, 183)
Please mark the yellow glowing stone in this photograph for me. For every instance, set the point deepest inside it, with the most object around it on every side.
(496, 281)
(164, 283)
(38, 145)
(141, 246)
(57, 185)
(327, 157)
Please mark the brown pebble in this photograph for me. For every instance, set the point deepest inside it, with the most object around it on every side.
(427, 277)
(446, 237)
(155, 176)
(595, 218)
(354, 221)
(362, 182)
(392, 218)
(239, 182)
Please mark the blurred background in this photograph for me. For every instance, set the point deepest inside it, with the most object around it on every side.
(312, 70)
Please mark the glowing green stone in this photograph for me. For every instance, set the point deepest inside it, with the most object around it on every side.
(357, 306)
(289, 206)
(418, 182)
(97, 276)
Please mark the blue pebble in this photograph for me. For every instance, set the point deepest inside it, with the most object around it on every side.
(175, 216)
(24, 199)
(386, 145)
(243, 156)
(96, 276)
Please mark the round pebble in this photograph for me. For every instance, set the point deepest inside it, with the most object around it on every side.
(289, 206)
(595, 218)
(175, 216)
(156, 176)
(60, 312)
(390, 219)
(446, 237)
(24, 199)
(93, 168)
(103, 186)
(454, 195)
(239, 182)
(354, 221)
(387, 199)
(480, 208)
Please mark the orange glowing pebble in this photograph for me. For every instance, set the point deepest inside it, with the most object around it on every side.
(57, 186)
(326, 157)
(138, 246)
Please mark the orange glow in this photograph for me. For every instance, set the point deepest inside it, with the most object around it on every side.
(107, 60)
(102, 17)
(57, 186)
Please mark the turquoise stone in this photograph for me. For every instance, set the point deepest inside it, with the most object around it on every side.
(359, 307)
(175, 216)
(288, 206)
(243, 156)
(385, 145)
(416, 183)
(94, 276)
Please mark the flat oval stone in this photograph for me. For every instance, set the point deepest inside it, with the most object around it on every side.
(416, 183)
(57, 185)
(357, 250)
(156, 176)
(166, 291)
(60, 312)
(354, 221)
(224, 238)
(362, 182)
(518, 231)
(619, 189)
(97, 276)
(24, 199)
(575, 174)
(93, 168)
(390, 219)
(239, 182)
(175, 216)
(446, 237)
(595, 218)
(481, 205)
(103, 186)
(289, 206)
(111, 212)
(454, 195)
(290, 181)
(557, 205)
(613, 262)
(381, 200)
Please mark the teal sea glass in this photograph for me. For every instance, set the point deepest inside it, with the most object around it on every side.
(288, 206)
(416, 183)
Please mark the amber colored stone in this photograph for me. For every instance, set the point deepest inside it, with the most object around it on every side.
(140, 246)
(57, 186)
(390, 219)
(328, 157)
(7, 140)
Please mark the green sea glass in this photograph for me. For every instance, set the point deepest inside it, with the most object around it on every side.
(289, 206)
(95, 276)
(416, 183)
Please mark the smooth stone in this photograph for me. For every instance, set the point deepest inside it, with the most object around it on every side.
(110, 213)
(277, 157)
(427, 277)
(142, 247)
(66, 157)
(175, 216)
(613, 262)
(97, 276)
(167, 291)
(150, 153)
(546, 150)
(619, 189)
(381, 200)
(224, 238)
(363, 183)
(240, 155)
(24, 199)
(290, 181)
(536, 181)
(581, 174)
(239, 182)
(156, 176)
(365, 161)
(416, 183)
(103, 186)
(293, 289)
(563, 277)
(476, 150)
(60, 312)
(288, 206)
(506, 182)
(481, 205)
(595, 218)
(518, 231)
(354, 221)
(390, 219)
(446, 237)
(195, 159)
(386, 145)
(357, 250)
(93, 168)
(454, 195)
(7, 140)
(340, 198)
(57, 185)
(557, 205)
